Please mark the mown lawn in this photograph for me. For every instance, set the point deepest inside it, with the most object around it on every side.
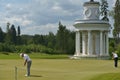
(57, 67)
(107, 76)
(32, 55)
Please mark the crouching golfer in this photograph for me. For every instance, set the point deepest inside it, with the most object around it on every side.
(27, 61)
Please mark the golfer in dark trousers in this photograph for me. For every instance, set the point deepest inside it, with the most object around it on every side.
(27, 61)
(115, 57)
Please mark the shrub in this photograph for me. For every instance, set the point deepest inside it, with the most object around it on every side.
(118, 50)
(111, 49)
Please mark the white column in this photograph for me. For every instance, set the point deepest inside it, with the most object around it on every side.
(107, 45)
(94, 45)
(83, 43)
(77, 43)
(89, 42)
(104, 43)
(101, 42)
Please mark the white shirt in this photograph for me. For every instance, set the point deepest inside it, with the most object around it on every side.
(115, 55)
(26, 57)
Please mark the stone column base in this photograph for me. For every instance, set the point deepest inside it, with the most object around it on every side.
(102, 57)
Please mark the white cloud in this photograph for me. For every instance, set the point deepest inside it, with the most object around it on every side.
(42, 29)
(8, 6)
(41, 16)
(26, 22)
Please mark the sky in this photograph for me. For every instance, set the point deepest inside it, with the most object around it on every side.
(42, 16)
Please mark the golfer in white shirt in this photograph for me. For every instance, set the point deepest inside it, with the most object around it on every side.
(115, 57)
(27, 61)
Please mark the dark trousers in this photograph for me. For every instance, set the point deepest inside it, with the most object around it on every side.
(116, 62)
(28, 67)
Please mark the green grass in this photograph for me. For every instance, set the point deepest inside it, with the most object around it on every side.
(32, 55)
(47, 56)
(9, 56)
(59, 69)
(107, 76)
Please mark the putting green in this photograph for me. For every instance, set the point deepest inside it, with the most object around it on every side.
(58, 69)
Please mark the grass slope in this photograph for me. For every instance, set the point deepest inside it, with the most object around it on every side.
(60, 69)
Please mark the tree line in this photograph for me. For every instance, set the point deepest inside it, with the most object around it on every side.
(61, 42)
(115, 41)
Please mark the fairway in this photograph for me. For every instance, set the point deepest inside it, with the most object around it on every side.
(57, 69)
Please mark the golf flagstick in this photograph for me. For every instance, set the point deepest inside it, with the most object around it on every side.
(15, 73)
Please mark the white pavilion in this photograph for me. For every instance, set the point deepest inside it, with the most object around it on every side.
(91, 33)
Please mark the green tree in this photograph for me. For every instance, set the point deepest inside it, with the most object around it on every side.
(112, 47)
(71, 43)
(18, 31)
(7, 35)
(62, 39)
(18, 36)
(1, 35)
(8, 25)
(36, 39)
(104, 10)
(116, 30)
(51, 40)
(13, 36)
(26, 39)
(43, 40)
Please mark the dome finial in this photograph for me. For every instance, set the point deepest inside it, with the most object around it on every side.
(91, 0)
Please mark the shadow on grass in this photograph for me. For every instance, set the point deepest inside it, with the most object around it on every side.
(35, 76)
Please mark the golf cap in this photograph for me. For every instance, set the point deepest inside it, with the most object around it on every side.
(21, 54)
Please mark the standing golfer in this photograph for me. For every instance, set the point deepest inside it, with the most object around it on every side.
(27, 61)
(115, 57)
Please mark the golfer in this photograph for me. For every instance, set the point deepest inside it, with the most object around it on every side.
(115, 57)
(27, 61)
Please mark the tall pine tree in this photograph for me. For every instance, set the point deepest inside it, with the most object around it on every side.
(104, 10)
(62, 38)
(7, 35)
(13, 36)
(18, 36)
(116, 30)
(1, 35)
(18, 31)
